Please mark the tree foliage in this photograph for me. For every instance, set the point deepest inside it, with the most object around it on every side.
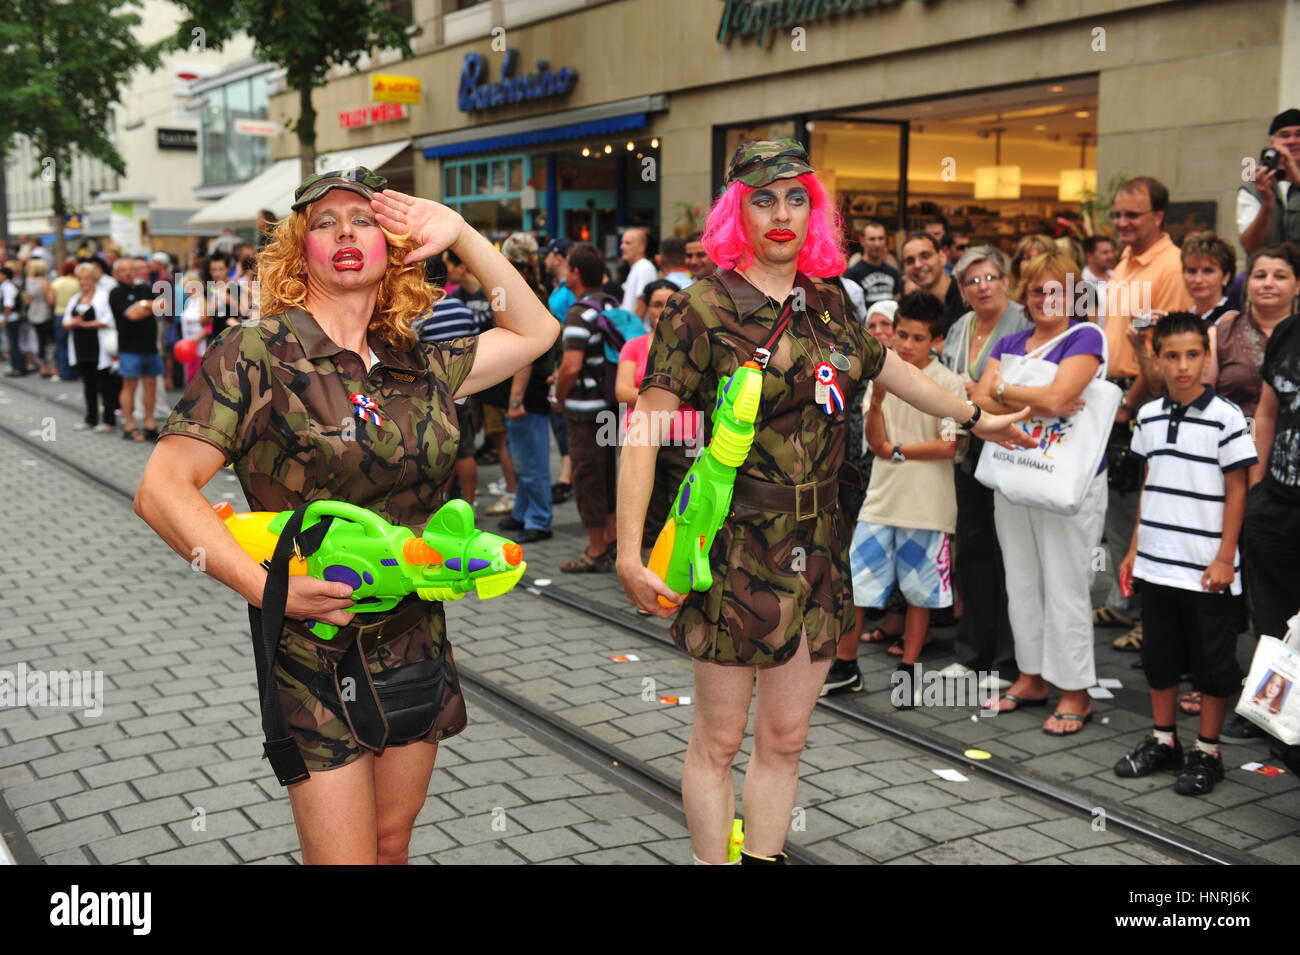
(66, 65)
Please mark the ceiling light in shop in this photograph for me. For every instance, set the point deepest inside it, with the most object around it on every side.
(1056, 89)
(1081, 114)
(586, 151)
(997, 182)
(608, 149)
(1039, 128)
(654, 143)
(1074, 182)
(630, 145)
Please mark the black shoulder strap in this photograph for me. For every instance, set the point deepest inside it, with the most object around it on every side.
(279, 747)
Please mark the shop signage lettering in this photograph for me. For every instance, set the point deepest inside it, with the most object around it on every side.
(761, 19)
(478, 92)
(370, 115)
(386, 88)
(178, 138)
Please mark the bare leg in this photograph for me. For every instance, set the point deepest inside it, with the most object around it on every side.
(507, 463)
(847, 646)
(150, 385)
(1163, 704)
(1213, 710)
(467, 475)
(786, 697)
(401, 788)
(126, 399)
(722, 695)
(335, 815)
(915, 631)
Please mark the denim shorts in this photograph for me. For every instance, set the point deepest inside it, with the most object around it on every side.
(139, 366)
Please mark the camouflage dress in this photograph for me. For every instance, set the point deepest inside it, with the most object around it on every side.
(774, 575)
(274, 398)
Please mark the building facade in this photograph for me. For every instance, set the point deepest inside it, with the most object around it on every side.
(581, 118)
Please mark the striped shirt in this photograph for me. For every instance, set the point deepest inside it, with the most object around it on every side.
(1187, 449)
(450, 318)
(581, 332)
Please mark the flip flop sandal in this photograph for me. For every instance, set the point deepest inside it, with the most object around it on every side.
(586, 564)
(1021, 702)
(1105, 617)
(1130, 642)
(1188, 700)
(880, 635)
(1083, 721)
(895, 649)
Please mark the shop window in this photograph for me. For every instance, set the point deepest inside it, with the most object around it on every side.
(228, 154)
(487, 192)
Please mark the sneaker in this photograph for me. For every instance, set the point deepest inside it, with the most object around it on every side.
(82, 426)
(504, 505)
(1151, 755)
(1131, 642)
(903, 678)
(1240, 730)
(510, 524)
(844, 677)
(532, 536)
(1200, 773)
(105, 428)
(497, 487)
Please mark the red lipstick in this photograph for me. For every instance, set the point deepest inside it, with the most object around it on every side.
(348, 259)
(780, 235)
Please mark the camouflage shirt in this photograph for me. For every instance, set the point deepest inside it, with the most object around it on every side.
(275, 399)
(775, 575)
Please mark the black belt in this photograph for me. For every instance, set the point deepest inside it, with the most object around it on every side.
(804, 501)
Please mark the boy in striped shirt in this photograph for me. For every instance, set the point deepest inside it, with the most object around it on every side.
(1197, 449)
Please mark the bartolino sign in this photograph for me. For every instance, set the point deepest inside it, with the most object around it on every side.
(478, 92)
(761, 18)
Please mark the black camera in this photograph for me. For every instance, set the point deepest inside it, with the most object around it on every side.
(1271, 160)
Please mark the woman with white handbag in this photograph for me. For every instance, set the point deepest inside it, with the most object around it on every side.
(1050, 502)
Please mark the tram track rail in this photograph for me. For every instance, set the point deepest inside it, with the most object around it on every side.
(657, 786)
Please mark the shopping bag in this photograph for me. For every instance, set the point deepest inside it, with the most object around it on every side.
(1056, 474)
(1269, 698)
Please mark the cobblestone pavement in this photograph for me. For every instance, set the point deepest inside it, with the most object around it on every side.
(180, 729)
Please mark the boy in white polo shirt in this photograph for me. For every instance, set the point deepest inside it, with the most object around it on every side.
(903, 530)
(1197, 449)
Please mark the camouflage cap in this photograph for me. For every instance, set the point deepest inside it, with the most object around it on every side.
(763, 162)
(358, 179)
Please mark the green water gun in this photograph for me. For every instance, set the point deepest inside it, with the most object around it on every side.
(384, 563)
(737, 841)
(681, 553)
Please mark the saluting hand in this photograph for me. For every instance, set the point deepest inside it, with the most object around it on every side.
(430, 226)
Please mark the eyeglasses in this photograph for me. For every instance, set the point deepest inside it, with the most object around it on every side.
(1129, 216)
(1037, 291)
(976, 280)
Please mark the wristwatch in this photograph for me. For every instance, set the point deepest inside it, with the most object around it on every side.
(516, 404)
(898, 457)
(976, 413)
(999, 391)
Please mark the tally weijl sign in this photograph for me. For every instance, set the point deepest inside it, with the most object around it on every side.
(762, 19)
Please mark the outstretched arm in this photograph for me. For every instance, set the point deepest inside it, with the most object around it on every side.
(910, 384)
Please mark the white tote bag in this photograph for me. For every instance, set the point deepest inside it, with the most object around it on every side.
(1270, 698)
(1055, 475)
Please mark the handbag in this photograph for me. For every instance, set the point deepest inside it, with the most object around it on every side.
(1269, 698)
(1056, 474)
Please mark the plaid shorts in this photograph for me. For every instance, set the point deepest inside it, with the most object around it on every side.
(919, 561)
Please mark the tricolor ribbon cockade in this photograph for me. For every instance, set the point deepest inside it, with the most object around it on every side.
(834, 397)
(367, 409)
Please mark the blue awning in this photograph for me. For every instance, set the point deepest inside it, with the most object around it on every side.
(532, 137)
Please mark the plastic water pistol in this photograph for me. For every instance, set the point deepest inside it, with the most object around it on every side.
(680, 557)
(385, 563)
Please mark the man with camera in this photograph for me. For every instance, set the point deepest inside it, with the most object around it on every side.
(1268, 209)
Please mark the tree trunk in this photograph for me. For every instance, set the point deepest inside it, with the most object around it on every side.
(306, 131)
(60, 210)
(4, 196)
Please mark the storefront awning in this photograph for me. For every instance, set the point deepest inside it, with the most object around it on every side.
(273, 187)
(552, 127)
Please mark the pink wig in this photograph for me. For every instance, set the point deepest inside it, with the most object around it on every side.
(726, 243)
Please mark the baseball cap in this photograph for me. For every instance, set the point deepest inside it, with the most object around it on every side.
(558, 245)
(1288, 117)
(358, 179)
(766, 160)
